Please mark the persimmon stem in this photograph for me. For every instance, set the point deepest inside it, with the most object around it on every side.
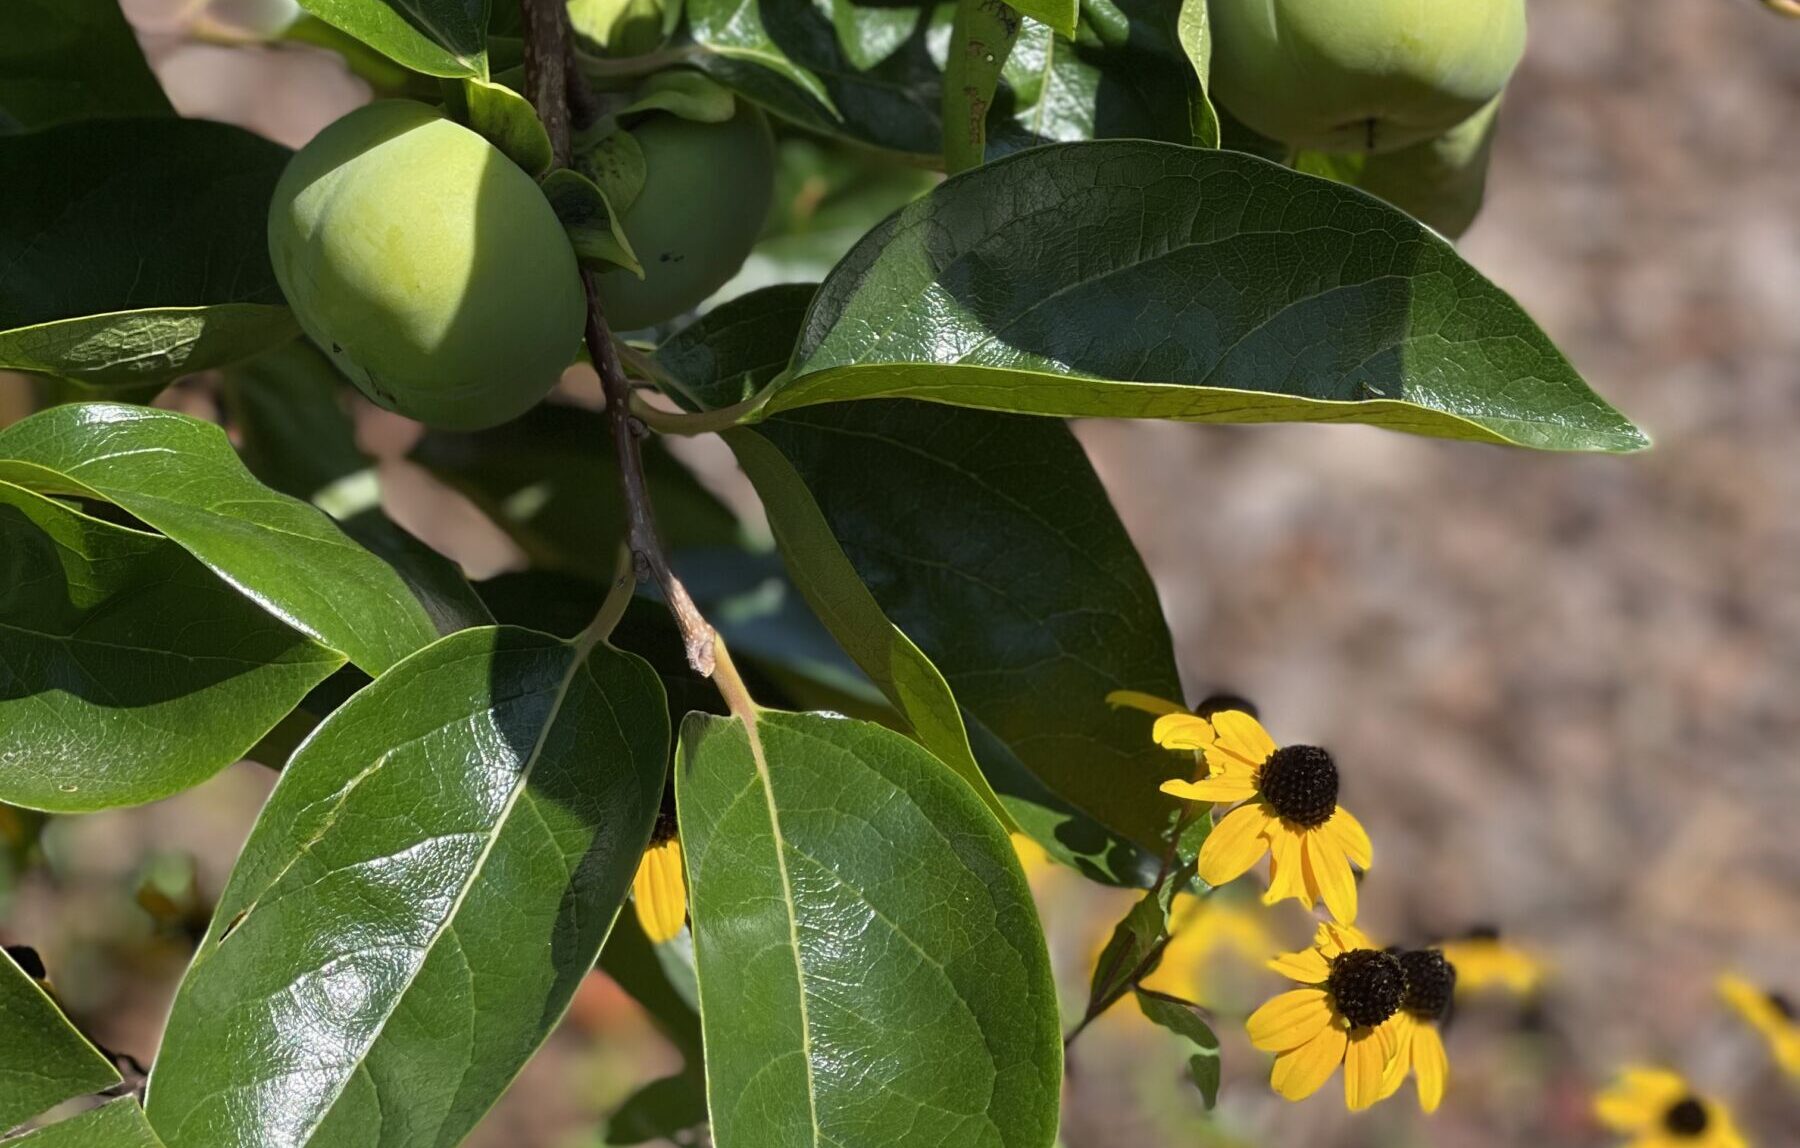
(547, 85)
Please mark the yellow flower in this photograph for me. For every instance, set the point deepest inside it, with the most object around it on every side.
(1418, 1049)
(1200, 929)
(1345, 1014)
(659, 892)
(1770, 1014)
(1657, 1109)
(1483, 961)
(1289, 810)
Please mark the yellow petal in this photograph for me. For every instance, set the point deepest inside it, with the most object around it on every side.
(1289, 1020)
(1287, 876)
(1242, 736)
(1182, 731)
(1235, 844)
(1365, 1064)
(1343, 938)
(1328, 872)
(1308, 966)
(1220, 790)
(1149, 703)
(659, 893)
(1299, 1072)
(1403, 1027)
(1640, 1098)
(1432, 1065)
(1351, 837)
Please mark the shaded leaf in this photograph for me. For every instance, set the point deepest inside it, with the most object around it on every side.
(591, 223)
(43, 1060)
(129, 670)
(660, 1110)
(433, 875)
(138, 249)
(735, 350)
(988, 540)
(613, 159)
(981, 38)
(1183, 283)
(1193, 31)
(437, 37)
(295, 436)
(70, 60)
(115, 1124)
(689, 95)
(180, 475)
(659, 977)
(1181, 1019)
(871, 968)
(505, 119)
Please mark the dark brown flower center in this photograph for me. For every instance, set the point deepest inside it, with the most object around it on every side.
(1782, 1004)
(664, 829)
(28, 961)
(1686, 1117)
(1219, 703)
(1482, 933)
(1430, 981)
(1367, 986)
(1301, 783)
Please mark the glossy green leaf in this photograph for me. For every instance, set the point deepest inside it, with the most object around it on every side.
(592, 224)
(120, 353)
(1060, 15)
(138, 250)
(662, 1110)
(437, 37)
(549, 480)
(295, 436)
(69, 60)
(115, 1124)
(180, 475)
(733, 352)
(433, 875)
(837, 595)
(1183, 283)
(988, 540)
(43, 1060)
(505, 119)
(981, 38)
(128, 671)
(872, 971)
(1180, 1018)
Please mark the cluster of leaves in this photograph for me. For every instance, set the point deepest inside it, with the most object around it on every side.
(469, 774)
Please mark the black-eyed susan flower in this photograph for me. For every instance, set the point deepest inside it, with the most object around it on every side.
(1770, 1013)
(1288, 810)
(1343, 1014)
(1655, 1108)
(659, 892)
(1418, 1048)
(1486, 962)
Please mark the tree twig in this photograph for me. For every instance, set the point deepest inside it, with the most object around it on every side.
(547, 85)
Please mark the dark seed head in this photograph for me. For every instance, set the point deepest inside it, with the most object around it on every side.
(1430, 981)
(1686, 1117)
(28, 961)
(1301, 783)
(1218, 703)
(1367, 986)
(664, 829)
(1782, 1004)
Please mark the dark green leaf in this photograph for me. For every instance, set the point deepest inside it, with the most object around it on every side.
(505, 119)
(179, 475)
(661, 1110)
(1181, 1019)
(129, 670)
(117, 1124)
(139, 249)
(659, 977)
(1134, 950)
(437, 37)
(613, 159)
(1191, 284)
(548, 479)
(1193, 31)
(981, 38)
(988, 540)
(592, 224)
(434, 874)
(736, 350)
(1060, 15)
(871, 968)
(70, 60)
(687, 94)
(295, 436)
(43, 1060)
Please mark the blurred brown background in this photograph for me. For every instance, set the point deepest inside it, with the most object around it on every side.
(1565, 690)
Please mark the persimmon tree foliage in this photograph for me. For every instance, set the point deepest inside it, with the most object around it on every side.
(846, 950)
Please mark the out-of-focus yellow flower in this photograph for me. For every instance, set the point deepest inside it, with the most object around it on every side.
(1483, 961)
(1655, 1108)
(1345, 1014)
(1419, 1050)
(1288, 810)
(1770, 1014)
(1202, 928)
(1033, 858)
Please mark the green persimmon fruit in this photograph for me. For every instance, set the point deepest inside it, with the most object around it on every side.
(1361, 75)
(427, 265)
(1440, 182)
(706, 194)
